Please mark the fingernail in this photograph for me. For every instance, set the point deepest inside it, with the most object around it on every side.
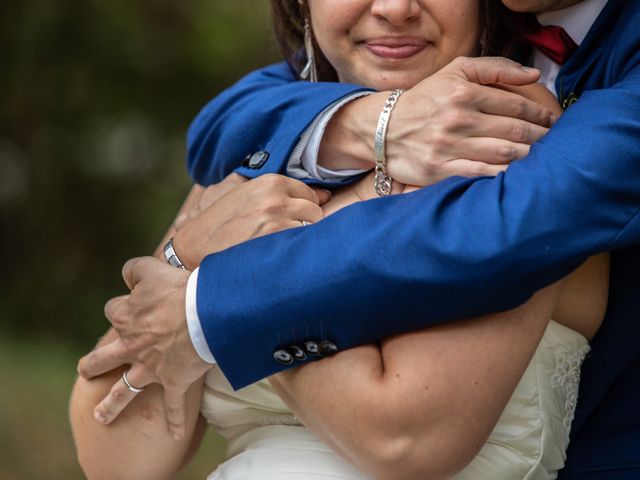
(553, 118)
(98, 416)
(529, 69)
(328, 192)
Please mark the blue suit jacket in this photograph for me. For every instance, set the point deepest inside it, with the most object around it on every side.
(462, 248)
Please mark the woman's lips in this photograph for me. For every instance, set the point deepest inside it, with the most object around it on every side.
(396, 48)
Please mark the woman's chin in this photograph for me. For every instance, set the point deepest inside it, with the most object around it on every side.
(386, 80)
(393, 81)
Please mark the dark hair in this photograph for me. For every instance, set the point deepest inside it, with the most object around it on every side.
(501, 33)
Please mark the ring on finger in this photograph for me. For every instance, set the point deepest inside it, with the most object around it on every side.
(305, 223)
(127, 384)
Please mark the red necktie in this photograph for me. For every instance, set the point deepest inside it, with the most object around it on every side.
(554, 42)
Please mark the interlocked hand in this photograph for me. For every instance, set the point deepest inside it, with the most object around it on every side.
(154, 340)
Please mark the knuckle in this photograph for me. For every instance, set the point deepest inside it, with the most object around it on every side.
(109, 308)
(507, 152)
(476, 169)
(118, 320)
(456, 119)
(271, 226)
(91, 361)
(174, 411)
(118, 394)
(520, 132)
(439, 140)
(430, 165)
(105, 409)
(275, 205)
(462, 61)
(272, 180)
(461, 93)
(519, 107)
(131, 265)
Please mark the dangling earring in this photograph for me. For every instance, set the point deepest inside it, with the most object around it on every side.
(309, 72)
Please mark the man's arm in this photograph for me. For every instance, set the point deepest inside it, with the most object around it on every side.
(268, 110)
(453, 121)
(490, 241)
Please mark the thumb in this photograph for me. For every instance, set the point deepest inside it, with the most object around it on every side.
(490, 70)
(323, 195)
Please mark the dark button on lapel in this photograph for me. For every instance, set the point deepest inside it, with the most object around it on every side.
(255, 160)
(327, 348)
(283, 357)
(297, 353)
(311, 348)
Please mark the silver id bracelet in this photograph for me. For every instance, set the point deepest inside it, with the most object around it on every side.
(170, 255)
(382, 181)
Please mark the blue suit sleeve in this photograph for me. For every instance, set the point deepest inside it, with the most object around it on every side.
(266, 111)
(462, 248)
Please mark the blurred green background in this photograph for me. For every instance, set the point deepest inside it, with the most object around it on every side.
(95, 100)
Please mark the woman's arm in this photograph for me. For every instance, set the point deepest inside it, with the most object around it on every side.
(419, 405)
(139, 445)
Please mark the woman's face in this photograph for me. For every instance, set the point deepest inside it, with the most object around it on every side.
(387, 44)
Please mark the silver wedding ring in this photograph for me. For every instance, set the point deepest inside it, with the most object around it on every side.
(130, 387)
(305, 223)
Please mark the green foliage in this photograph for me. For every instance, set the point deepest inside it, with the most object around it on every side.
(95, 99)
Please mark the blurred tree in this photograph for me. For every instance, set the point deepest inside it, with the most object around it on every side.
(95, 99)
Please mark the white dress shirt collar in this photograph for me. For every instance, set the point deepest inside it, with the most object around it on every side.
(576, 20)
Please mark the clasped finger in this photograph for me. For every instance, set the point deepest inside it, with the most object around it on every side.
(491, 150)
(114, 307)
(121, 395)
(304, 210)
(103, 359)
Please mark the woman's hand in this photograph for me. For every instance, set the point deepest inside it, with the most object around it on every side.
(247, 210)
(208, 196)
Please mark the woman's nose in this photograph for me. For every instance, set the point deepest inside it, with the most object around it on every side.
(396, 12)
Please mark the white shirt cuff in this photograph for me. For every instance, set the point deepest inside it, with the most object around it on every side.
(193, 320)
(303, 162)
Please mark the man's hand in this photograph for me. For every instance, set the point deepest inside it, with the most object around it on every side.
(455, 122)
(154, 340)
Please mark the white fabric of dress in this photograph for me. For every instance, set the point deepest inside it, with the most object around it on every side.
(266, 442)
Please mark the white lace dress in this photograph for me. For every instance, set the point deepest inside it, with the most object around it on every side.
(266, 442)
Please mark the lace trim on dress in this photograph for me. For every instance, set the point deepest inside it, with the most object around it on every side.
(278, 419)
(567, 378)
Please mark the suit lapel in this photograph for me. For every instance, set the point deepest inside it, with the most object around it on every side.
(577, 74)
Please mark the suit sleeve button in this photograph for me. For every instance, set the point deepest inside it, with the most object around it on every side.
(327, 348)
(297, 353)
(255, 160)
(283, 357)
(311, 348)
